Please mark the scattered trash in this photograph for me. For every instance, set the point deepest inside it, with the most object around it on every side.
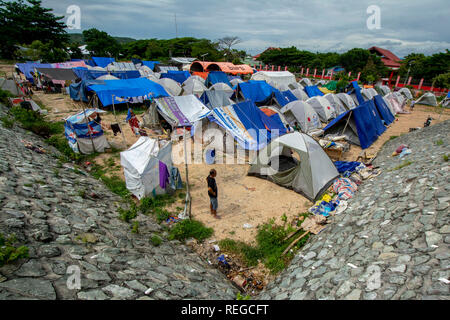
(240, 281)
(352, 266)
(216, 248)
(314, 224)
(29, 145)
(444, 280)
(148, 291)
(172, 220)
(247, 226)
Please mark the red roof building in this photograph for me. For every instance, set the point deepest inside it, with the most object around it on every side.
(389, 59)
(268, 49)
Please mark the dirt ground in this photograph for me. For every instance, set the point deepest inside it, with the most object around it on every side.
(242, 199)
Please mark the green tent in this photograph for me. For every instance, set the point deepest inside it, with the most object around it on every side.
(331, 85)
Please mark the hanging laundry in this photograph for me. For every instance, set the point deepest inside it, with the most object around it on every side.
(163, 175)
(175, 179)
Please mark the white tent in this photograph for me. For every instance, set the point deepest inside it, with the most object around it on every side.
(306, 82)
(323, 108)
(302, 113)
(236, 81)
(406, 92)
(171, 86)
(193, 79)
(428, 99)
(347, 101)
(300, 94)
(321, 83)
(107, 77)
(385, 90)
(278, 79)
(191, 108)
(194, 87)
(389, 104)
(310, 176)
(141, 164)
(336, 103)
(220, 86)
(398, 104)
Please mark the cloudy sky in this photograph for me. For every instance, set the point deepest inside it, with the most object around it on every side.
(315, 25)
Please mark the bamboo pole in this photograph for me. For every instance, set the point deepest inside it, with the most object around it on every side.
(115, 116)
(188, 205)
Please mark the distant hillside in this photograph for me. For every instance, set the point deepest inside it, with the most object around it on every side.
(78, 37)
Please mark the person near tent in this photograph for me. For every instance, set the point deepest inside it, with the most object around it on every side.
(297, 127)
(289, 128)
(411, 107)
(212, 192)
(133, 122)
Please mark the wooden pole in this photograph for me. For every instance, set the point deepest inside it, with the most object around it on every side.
(87, 123)
(115, 116)
(294, 243)
(348, 120)
(188, 206)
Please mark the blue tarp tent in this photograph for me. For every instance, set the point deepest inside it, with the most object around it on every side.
(258, 91)
(364, 126)
(150, 64)
(251, 127)
(78, 90)
(28, 69)
(383, 110)
(86, 74)
(216, 77)
(284, 98)
(130, 88)
(89, 63)
(313, 91)
(77, 128)
(357, 91)
(102, 61)
(178, 76)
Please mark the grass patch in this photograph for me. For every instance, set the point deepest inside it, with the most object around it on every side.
(7, 122)
(135, 227)
(440, 142)
(130, 214)
(155, 241)
(269, 248)
(4, 95)
(445, 157)
(9, 251)
(186, 229)
(404, 164)
(35, 122)
(113, 183)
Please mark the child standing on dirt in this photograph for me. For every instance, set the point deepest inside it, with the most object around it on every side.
(212, 192)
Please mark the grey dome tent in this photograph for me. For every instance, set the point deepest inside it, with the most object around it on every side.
(310, 176)
(428, 99)
(347, 101)
(300, 94)
(171, 86)
(323, 108)
(303, 114)
(336, 103)
(384, 90)
(306, 82)
(220, 86)
(406, 92)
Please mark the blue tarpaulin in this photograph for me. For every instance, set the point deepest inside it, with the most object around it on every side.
(357, 91)
(367, 121)
(89, 63)
(150, 64)
(384, 110)
(86, 74)
(102, 61)
(217, 77)
(283, 98)
(258, 91)
(130, 88)
(178, 76)
(313, 91)
(28, 69)
(78, 90)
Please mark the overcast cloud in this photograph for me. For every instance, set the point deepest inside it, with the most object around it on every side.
(315, 25)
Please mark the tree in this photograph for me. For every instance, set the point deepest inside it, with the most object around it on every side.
(442, 81)
(22, 22)
(75, 51)
(101, 44)
(227, 43)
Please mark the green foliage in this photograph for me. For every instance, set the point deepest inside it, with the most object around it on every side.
(270, 244)
(155, 241)
(240, 297)
(7, 122)
(190, 229)
(101, 44)
(129, 214)
(9, 252)
(442, 81)
(427, 67)
(23, 22)
(113, 183)
(135, 227)
(440, 142)
(46, 52)
(35, 122)
(445, 157)
(4, 95)
(401, 166)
